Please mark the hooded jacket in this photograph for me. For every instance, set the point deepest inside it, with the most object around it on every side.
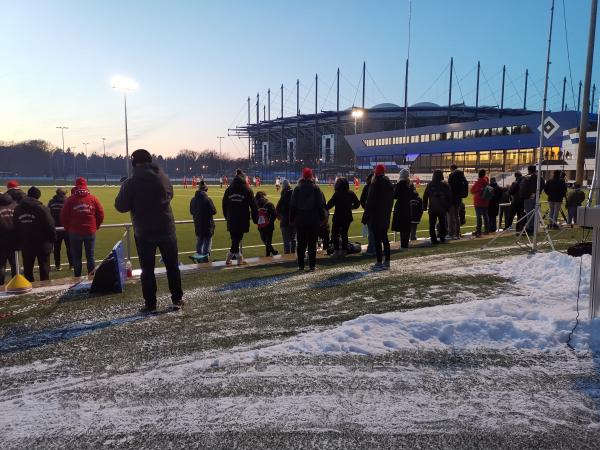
(459, 186)
(528, 186)
(56, 205)
(379, 203)
(307, 206)
(344, 201)
(556, 189)
(147, 194)
(34, 226)
(263, 202)
(283, 207)
(17, 194)
(403, 194)
(477, 190)
(8, 235)
(82, 212)
(494, 202)
(575, 197)
(437, 195)
(239, 206)
(202, 210)
(513, 191)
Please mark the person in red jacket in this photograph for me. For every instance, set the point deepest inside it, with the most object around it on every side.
(81, 217)
(481, 203)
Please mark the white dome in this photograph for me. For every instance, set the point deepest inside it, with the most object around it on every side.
(425, 105)
(386, 106)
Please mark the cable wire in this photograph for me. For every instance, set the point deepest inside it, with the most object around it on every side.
(434, 83)
(568, 53)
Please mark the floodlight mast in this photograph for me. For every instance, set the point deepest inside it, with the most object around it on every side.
(125, 85)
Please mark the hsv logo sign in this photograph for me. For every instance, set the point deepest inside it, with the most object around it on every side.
(549, 128)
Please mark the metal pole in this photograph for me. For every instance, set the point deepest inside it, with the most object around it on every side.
(525, 92)
(364, 83)
(595, 269)
(281, 153)
(562, 108)
(579, 98)
(593, 98)
(104, 159)
(269, 103)
(258, 127)
(502, 91)
(450, 88)
(541, 150)
(127, 165)
(337, 116)
(220, 138)
(297, 120)
(249, 157)
(477, 90)
(315, 146)
(87, 174)
(583, 125)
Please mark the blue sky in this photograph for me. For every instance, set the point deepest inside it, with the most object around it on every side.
(197, 61)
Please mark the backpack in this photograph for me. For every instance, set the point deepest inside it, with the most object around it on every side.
(416, 209)
(263, 218)
(488, 193)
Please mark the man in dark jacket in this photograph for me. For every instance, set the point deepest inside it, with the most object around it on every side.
(307, 211)
(344, 201)
(56, 205)
(459, 187)
(202, 210)
(36, 234)
(147, 194)
(363, 202)
(516, 203)
(436, 200)
(377, 212)
(402, 220)
(527, 191)
(8, 236)
(288, 233)
(14, 190)
(266, 221)
(556, 190)
(494, 205)
(575, 198)
(238, 208)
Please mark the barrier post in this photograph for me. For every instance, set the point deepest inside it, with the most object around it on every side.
(128, 241)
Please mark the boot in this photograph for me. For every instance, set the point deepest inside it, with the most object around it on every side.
(229, 258)
(240, 259)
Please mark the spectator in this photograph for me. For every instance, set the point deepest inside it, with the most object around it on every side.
(481, 203)
(8, 236)
(14, 190)
(238, 208)
(325, 232)
(81, 217)
(363, 202)
(516, 203)
(527, 191)
(459, 186)
(416, 212)
(147, 194)
(202, 210)
(436, 200)
(575, 199)
(344, 201)
(35, 234)
(494, 205)
(266, 221)
(504, 208)
(378, 211)
(307, 211)
(288, 233)
(556, 190)
(56, 205)
(403, 194)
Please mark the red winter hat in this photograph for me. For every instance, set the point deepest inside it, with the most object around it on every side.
(307, 173)
(379, 169)
(12, 184)
(81, 183)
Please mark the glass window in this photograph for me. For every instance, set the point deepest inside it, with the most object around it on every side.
(497, 158)
(484, 157)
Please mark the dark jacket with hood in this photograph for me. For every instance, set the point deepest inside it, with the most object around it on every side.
(82, 213)
(379, 203)
(56, 205)
(202, 210)
(459, 186)
(437, 195)
(494, 203)
(283, 207)
(344, 201)
(307, 206)
(575, 197)
(239, 206)
(513, 191)
(147, 194)
(8, 235)
(263, 202)
(34, 225)
(556, 189)
(363, 199)
(402, 214)
(528, 186)
(17, 194)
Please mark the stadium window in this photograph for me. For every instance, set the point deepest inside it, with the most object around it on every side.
(442, 136)
(425, 138)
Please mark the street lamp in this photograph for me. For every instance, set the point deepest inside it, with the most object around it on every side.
(220, 138)
(62, 132)
(87, 174)
(104, 158)
(125, 85)
(357, 114)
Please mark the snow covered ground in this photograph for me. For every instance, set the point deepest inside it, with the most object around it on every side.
(490, 368)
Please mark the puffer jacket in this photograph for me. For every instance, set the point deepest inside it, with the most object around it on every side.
(379, 203)
(239, 206)
(283, 207)
(56, 205)
(344, 201)
(202, 210)
(307, 206)
(437, 197)
(402, 213)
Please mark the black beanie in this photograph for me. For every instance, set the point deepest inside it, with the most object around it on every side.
(140, 156)
(34, 192)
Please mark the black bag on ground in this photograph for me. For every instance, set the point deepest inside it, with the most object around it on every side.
(577, 250)
(354, 247)
(106, 278)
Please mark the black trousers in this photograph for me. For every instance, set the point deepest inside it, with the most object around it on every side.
(146, 248)
(60, 237)
(307, 240)
(266, 235)
(323, 234)
(381, 240)
(433, 219)
(236, 238)
(516, 209)
(29, 256)
(7, 255)
(340, 230)
(404, 239)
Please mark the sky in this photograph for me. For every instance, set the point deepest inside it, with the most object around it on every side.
(196, 62)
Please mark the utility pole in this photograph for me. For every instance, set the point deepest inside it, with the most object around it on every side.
(249, 157)
(502, 91)
(562, 103)
(87, 173)
(525, 93)
(104, 159)
(450, 88)
(593, 99)
(579, 98)
(364, 83)
(220, 138)
(477, 90)
(581, 147)
(62, 133)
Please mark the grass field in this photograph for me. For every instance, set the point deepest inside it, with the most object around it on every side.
(107, 237)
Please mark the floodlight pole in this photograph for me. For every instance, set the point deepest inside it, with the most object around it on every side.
(127, 165)
(62, 133)
(220, 138)
(104, 159)
(87, 173)
(541, 149)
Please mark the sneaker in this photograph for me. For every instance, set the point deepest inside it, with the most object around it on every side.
(301, 269)
(386, 264)
(148, 310)
(229, 258)
(311, 269)
(274, 252)
(178, 305)
(57, 268)
(377, 266)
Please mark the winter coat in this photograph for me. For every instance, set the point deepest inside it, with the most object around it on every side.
(263, 202)
(17, 194)
(363, 201)
(8, 234)
(459, 186)
(202, 210)
(82, 213)
(403, 194)
(307, 206)
(416, 206)
(575, 197)
(34, 226)
(513, 191)
(344, 201)
(283, 207)
(379, 203)
(494, 202)
(437, 197)
(477, 191)
(56, 205)
(239, 206)
(147, 194)
(528, 186)
(556, 189)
